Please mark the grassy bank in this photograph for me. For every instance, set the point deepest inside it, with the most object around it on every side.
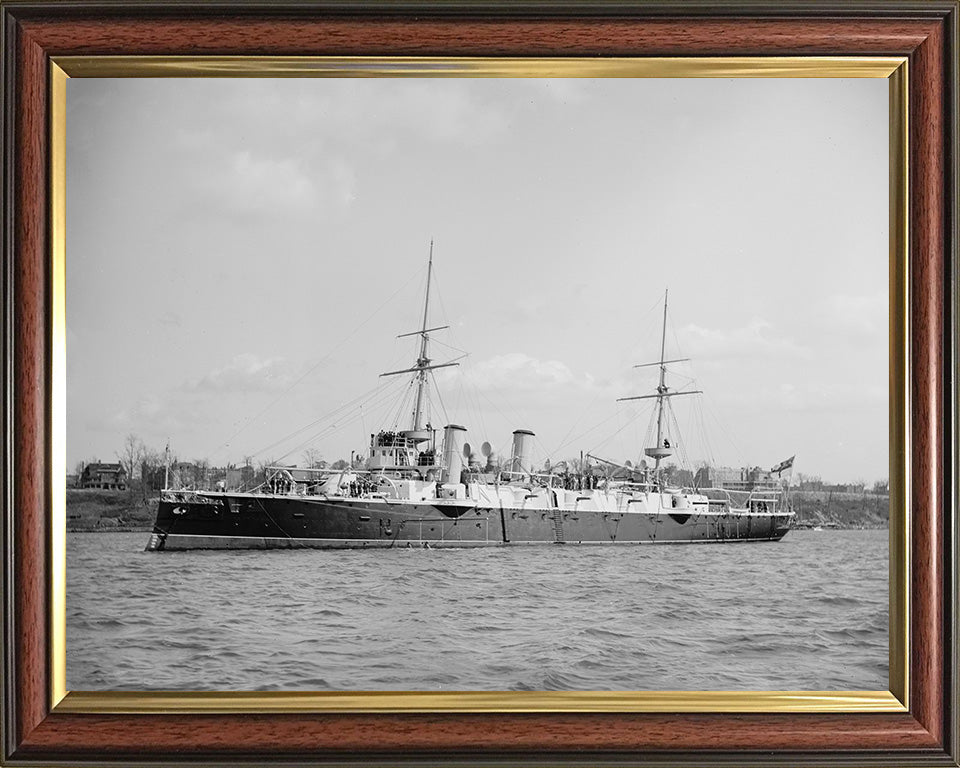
(844, 510)
(95, 510)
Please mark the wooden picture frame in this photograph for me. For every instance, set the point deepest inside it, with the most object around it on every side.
(40, 729)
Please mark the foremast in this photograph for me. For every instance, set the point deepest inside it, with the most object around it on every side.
(423, 360)
(419, 431)
(662, 449)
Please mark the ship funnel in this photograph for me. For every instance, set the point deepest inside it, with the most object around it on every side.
(453, 452)
(522, 451)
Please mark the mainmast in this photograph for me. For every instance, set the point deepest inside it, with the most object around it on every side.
(661, 388)
(423, 360)
(417, 431)
(662, 449)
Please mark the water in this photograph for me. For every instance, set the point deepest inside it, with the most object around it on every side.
(807, 613)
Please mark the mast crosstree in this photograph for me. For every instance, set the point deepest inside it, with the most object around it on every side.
(662, 449)
(422, 365)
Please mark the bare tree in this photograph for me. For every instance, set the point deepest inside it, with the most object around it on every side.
(201, 467)
(131, 454)
(313, 457)
(262, 467)
(151, 471)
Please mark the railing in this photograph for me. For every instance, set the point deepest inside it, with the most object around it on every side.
(392, 440)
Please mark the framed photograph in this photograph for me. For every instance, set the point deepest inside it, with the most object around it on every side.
(368, 366)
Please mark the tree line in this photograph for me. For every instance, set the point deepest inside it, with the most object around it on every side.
(149, 468)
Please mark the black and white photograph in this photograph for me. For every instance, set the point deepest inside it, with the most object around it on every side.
(477, 384)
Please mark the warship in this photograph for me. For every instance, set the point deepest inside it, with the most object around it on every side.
(419, 488)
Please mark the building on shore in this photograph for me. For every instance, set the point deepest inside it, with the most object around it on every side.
(111, 477)
(745, 479)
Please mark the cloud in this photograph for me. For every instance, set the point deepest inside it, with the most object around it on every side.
(372, 113)
(859, 315)
(519, 371)
(755, 341)
(244, 373)
(260, 182)
(247, 184)
(343, 181)
(446, 111)
(306, 155)
(811, 396)
(253, 183)
(452, 114)
(523, 377)
(155, 417)
(209, 405)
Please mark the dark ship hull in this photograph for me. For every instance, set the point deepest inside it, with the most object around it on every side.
(218, 520)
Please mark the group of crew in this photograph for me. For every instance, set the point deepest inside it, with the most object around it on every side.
(361, 486)
(580, 482)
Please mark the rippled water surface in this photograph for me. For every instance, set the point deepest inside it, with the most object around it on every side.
(807, 613)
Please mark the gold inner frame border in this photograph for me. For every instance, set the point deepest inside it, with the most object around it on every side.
(894, 69)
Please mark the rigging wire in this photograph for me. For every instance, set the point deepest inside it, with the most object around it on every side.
(648, 436)
(583, 434)
(702, 405)
(370, 393)
(517, 417)
(673, 332)
(446, 418)
(723, 430)
(711, 453)
(473, 402)
(698, 425)
(600, 446)
(320, 420)
(677, 442)
(348, 419)
(469, 393)
(322, 435)
(464, 385)
(448, 346)
(316, 365)
(402, 403)
(576, 423)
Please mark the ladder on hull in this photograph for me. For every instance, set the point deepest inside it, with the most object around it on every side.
(558, 527)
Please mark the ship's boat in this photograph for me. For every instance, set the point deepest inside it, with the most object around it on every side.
(417, 491)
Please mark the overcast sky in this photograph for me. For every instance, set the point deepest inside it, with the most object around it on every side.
(241, 255)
